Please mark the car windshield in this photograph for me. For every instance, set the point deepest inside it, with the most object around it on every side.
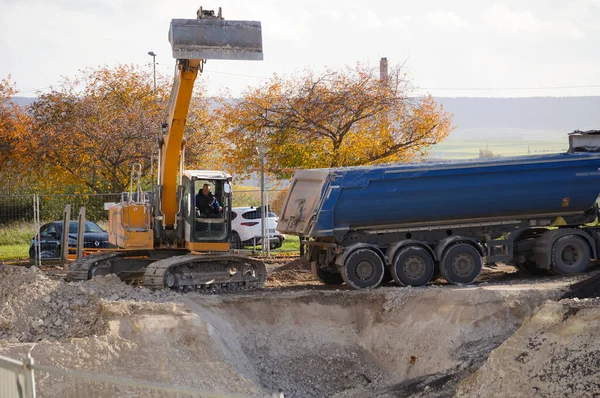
(88, 227)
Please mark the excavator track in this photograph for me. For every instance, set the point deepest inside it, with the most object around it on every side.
(206, 273)
(189, 272)
(87, 267)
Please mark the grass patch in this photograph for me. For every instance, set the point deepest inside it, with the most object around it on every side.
(290, 244)
(16, 233)
(15, 239)
(14, 252)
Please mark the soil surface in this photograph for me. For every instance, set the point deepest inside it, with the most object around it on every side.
(509, 334)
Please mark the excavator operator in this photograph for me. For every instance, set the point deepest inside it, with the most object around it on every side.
(206, 203)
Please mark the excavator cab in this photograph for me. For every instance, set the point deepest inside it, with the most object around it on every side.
(206, 205)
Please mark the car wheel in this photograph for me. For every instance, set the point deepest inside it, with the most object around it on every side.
(236, 242)
(44, 255)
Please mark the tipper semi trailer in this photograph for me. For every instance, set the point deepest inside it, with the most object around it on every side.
(415, 222)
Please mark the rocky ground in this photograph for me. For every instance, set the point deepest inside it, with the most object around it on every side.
(507, 335)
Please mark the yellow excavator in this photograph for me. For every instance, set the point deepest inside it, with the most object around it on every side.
(164, 239)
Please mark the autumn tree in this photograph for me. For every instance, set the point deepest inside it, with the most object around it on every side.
(92, 129)
(14, 127)
(338, 118)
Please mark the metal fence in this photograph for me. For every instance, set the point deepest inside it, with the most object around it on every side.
(20, 217)
(18, 380)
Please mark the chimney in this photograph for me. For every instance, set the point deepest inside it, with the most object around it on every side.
(383, 70)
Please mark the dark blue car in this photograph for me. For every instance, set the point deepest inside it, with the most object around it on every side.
(51, 238)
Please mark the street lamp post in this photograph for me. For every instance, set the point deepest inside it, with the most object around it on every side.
(153, 55)
(262, 150)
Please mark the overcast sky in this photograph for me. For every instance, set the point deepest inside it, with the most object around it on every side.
(448, 47)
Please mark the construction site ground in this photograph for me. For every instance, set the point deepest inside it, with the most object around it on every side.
(508, 334)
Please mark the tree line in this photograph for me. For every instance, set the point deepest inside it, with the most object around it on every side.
(84, 135)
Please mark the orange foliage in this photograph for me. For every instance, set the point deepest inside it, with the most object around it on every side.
(91, 130)
(14, 129)
(339, 118)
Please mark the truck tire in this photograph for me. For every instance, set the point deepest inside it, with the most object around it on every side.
(412, 266)
(461, 264)
(363, 269)
(327, 278)
(570, 255)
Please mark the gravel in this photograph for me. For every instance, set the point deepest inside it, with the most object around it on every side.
(485, 339)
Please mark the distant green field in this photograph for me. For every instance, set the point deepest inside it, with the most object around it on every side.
(454, 149)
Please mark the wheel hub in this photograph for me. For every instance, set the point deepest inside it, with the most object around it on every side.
(570, 255)
(463, 264)
(414, 267)
(364, 270)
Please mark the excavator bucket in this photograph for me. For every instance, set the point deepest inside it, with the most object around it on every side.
(216, 39)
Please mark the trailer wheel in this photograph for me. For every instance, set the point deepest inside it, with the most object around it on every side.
(570, 254)
(363, 269)
(412, 266)
(327, 278)
(461, 264)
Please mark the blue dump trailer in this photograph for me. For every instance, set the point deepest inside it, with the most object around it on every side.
(415, 222)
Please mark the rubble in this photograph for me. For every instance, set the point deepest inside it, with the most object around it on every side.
(309, 340)
(555, 353)
(35, 307)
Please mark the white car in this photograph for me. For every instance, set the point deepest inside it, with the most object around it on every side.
(246, 228)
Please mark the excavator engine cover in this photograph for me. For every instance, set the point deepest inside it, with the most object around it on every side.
(216, 39)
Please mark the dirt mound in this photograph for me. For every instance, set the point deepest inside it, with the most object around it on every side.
(555, 353)
(295, 272)
(414, 342)
(173, 348)
(297, 264)
(287, 277)
(586, 288)
(35, 307)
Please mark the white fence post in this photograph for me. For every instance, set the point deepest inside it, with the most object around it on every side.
(29, 377)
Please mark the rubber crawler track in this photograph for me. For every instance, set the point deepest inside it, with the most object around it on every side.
(190, 272)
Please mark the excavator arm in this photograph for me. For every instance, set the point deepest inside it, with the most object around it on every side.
(171, 143)
(193, 42)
